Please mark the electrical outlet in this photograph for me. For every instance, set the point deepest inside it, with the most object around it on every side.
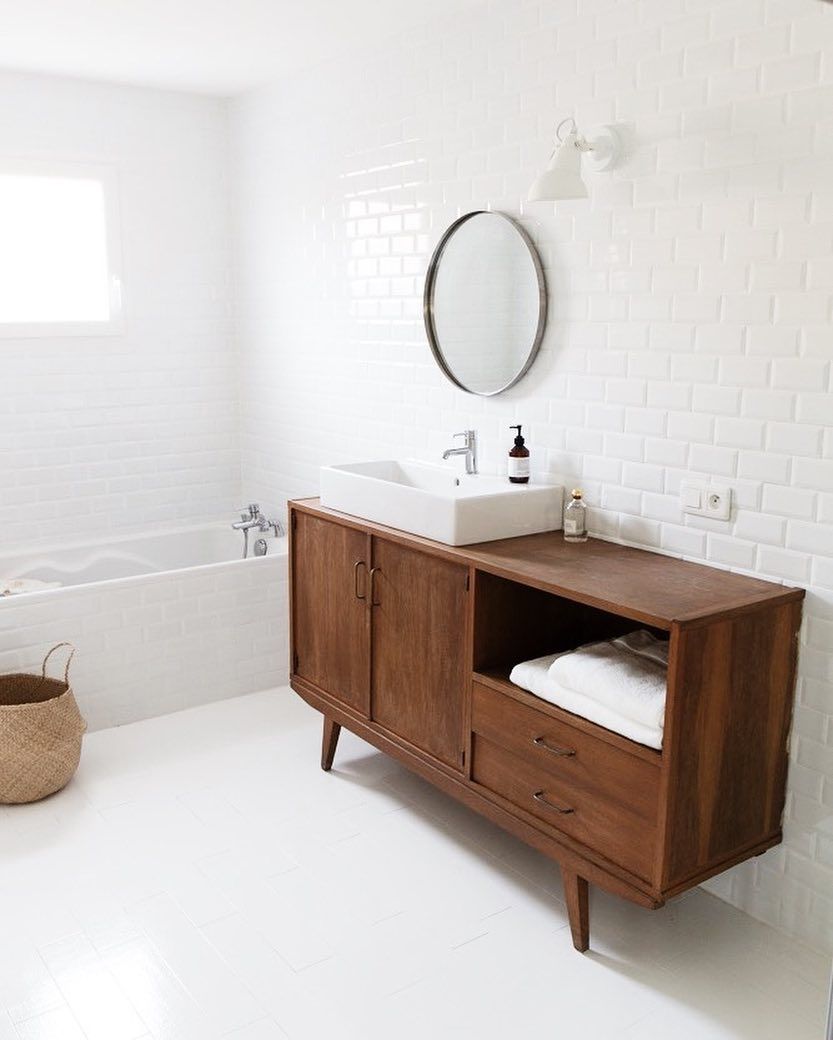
(701, 499)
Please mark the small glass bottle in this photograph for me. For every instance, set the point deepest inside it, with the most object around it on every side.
(575, 519)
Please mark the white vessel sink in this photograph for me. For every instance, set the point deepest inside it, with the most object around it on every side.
(439, 503)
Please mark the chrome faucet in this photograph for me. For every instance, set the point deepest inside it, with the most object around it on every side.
(470, 450)
(252, 518)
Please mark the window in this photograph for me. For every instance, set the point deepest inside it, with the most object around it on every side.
(59, 250)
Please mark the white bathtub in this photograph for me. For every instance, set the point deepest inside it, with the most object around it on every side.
(162, 621)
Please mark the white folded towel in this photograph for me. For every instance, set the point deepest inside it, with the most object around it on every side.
(535, 676)
(628, 675)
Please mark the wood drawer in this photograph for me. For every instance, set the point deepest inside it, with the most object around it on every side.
(619, 836)
(518, 752)
(591, 763)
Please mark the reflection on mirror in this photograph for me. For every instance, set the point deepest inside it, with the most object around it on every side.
(485, 303)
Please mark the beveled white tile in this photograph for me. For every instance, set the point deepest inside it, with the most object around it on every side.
(163, 1003)
(26, 987)
(266, 1029)
(245, 949)
(216, 990)
(704, 1002)
(90, 990)
(7, 1030)
(58, 1024)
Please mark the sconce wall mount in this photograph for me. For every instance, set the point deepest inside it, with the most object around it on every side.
(562, 178)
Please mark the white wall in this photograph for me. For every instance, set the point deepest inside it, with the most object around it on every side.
(690, 325)
(103, 434)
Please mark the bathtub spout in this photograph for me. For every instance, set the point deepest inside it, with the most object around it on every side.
(251, 518)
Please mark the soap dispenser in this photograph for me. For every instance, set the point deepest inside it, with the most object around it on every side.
(518, 460)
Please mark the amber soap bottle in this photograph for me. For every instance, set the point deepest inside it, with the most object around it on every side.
(519, 460)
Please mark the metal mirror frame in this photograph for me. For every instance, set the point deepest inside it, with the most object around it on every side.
(428, 301)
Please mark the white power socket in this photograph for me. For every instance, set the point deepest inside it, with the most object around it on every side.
(701, 499)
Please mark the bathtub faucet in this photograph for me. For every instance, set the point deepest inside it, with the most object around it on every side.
(252, 518)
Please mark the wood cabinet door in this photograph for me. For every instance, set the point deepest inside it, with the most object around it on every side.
(419, 649)
(330, 615)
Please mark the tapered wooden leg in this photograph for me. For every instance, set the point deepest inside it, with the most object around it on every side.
(575, 894)
(329, 740)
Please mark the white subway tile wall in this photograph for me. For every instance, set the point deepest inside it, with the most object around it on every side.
(104, 434)
(690, 323)
(153, 645)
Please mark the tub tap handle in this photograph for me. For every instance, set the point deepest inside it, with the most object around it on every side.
(250, 512)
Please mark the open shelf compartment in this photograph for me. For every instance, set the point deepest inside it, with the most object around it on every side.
(514, 623)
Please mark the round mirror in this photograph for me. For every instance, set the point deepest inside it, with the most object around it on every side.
(485, 303)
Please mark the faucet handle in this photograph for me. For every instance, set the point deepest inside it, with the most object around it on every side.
(250, 512)
(468, 434)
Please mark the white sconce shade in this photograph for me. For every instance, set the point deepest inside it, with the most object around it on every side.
(562, 178)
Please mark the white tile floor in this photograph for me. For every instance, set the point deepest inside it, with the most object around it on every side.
(202, 878)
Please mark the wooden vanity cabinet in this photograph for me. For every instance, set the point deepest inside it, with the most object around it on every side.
(358, 634)
(418, 620)
(409, 644)
(331, 624)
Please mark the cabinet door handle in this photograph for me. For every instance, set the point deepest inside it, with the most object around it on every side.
(356, 565)
(373, 572)
(539, 796)
(560, 751)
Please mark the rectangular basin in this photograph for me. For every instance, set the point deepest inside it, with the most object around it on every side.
(439, 503)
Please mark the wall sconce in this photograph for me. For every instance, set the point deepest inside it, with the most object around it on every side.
(562, 178)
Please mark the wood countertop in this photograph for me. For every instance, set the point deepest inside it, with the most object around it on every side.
(647, 586)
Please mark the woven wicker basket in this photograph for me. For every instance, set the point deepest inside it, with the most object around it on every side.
(40, 734)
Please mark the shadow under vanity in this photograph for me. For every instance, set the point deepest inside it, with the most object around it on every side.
(409, 644)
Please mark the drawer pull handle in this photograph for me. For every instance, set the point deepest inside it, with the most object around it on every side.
(373, 572)
(356, 565)
(560, 751)
(539, 796)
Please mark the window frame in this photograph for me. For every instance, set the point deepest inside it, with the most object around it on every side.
(105, 174)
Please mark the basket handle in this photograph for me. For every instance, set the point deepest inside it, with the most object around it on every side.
(58, 646)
